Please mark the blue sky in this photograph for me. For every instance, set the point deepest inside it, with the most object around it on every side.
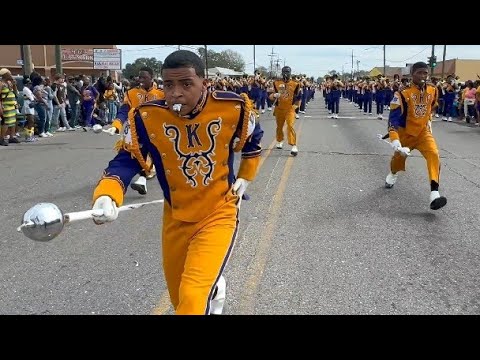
(316, 60)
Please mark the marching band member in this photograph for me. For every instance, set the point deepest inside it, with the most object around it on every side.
(135, 96)
(410, 128)
(286, 92)
(335, 94)
(191, 136)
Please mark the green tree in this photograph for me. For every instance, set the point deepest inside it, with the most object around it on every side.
(227, 59)
(263, 70)
(133, 69)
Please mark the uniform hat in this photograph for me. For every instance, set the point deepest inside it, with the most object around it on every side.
(4, 71)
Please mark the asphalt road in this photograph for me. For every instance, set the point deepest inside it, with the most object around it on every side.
(320, 234)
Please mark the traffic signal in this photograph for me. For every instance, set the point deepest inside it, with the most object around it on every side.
(432, 61)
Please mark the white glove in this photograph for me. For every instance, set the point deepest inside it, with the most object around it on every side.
(397, 147)
(429, 126)
(276, 95)
(109, 208)
(111, 131)
(239, 188)
(404, 151)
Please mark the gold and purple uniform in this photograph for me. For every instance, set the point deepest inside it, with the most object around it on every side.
(193, 156)
(410, 112)
(133, 99)
(285, 108)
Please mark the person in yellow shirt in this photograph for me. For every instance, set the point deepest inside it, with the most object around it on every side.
(285, 97)
(410, 128)
(191, 136)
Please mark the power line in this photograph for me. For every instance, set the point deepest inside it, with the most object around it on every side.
(396, 61)
(162, 46)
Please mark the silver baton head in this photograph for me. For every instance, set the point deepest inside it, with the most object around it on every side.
(42, 222)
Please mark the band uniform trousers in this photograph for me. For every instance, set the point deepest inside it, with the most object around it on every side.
(288, 116)
(425, 143)
(191, 282)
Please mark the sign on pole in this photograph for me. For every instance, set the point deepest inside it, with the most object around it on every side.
(107, 59)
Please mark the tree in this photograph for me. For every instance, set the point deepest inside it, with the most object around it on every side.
(263, 70)
(227, 59)
(232, 60)
(133, 69)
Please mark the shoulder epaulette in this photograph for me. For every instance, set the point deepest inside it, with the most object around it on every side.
(226, 95)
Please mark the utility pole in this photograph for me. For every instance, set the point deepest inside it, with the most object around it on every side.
(384, 62)
(58, 60)
(431, 62)
(277, 67)
(271, 62)
(352, 64)
(358, 67)
(27, 61)
(254, 68)
(443, 62)
(22, 57)
(206, 61)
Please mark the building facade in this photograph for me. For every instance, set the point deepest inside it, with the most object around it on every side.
(76, 60)
(465, 69)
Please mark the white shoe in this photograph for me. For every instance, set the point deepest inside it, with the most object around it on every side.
(294, 150)
(218, 301)
(336, 116)
(49, 134)
(297, 116)
(140, 185)
(437, 201)
(269, 109)
(380, 117)
(43, 135)
(444, 118)
(449, 119)
(280, 145)
(263, 111)
(61, 129)
(391, 180)
(437, 116)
